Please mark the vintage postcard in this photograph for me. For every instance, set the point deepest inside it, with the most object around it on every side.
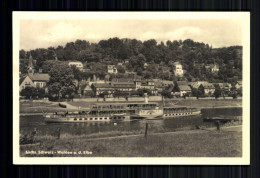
(133, 88)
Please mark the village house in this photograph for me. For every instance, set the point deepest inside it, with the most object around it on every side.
(99, 88)
(86, 90)
(77, 64)
(148, 84)
(214, 68)
(238, 84)
(146, 65)
(25, 82)
(123, 86)
(197, 84)
(33, 79)
(209, 89)
(159, 87)
(178, 69)
(185, 90)
(225, 86)
(112, 69)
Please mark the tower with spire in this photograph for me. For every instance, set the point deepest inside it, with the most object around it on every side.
(30, 65)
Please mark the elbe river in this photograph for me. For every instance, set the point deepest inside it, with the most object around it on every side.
(28, 123)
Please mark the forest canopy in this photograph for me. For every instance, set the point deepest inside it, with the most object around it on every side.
(193, 56)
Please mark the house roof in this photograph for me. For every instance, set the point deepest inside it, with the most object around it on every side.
(86, 87)
(182, 83)
(122, 80)
(39, 77)
(176, 63)
(102, 85)
(239, 82)
(170, 88)
(209, 86)
(223, 85)
(167, 82)
(21, 80)
(184, 88)
(198, 83)
(75, 62)
(124, 85)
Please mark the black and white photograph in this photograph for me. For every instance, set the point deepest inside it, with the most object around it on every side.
(131, 88)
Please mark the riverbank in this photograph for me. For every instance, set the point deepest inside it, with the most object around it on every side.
(48, 106)
(207, 142)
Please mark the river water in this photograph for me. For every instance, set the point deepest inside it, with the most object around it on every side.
(28, 123)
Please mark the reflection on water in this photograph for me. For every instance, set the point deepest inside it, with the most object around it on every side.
(27, 123)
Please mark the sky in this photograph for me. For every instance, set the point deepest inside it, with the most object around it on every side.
(42, 33)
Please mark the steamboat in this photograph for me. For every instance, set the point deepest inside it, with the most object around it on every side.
(121, 112)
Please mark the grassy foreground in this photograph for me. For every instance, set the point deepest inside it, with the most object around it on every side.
(192, 143)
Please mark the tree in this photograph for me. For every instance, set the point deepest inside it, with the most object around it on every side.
(166, 93)
(217, 92)
(60, 83)
(120, 69)
(234, 95)
(32, 92)
(77, 73)
(22, 54)
(28, 92)
(47, 65)
(201, 90)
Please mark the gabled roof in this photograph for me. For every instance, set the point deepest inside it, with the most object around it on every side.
(122, 80)
(170, 88)
(86, 87)
(102, 85)
(239, 82)
(39, 77)
(209, 86)
(21, 80)
(176, 63)
(182, 83)
(184, 88)
(167, 82)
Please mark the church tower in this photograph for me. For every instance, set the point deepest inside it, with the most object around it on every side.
(30, 65)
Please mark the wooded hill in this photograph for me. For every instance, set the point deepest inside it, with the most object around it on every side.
(194, 56)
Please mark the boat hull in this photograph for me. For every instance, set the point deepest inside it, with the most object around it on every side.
(80, 119)
(180, 114)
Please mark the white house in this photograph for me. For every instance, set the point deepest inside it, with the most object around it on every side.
(178, 69)
(214, 68)
(78, 64)
(112, 69)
